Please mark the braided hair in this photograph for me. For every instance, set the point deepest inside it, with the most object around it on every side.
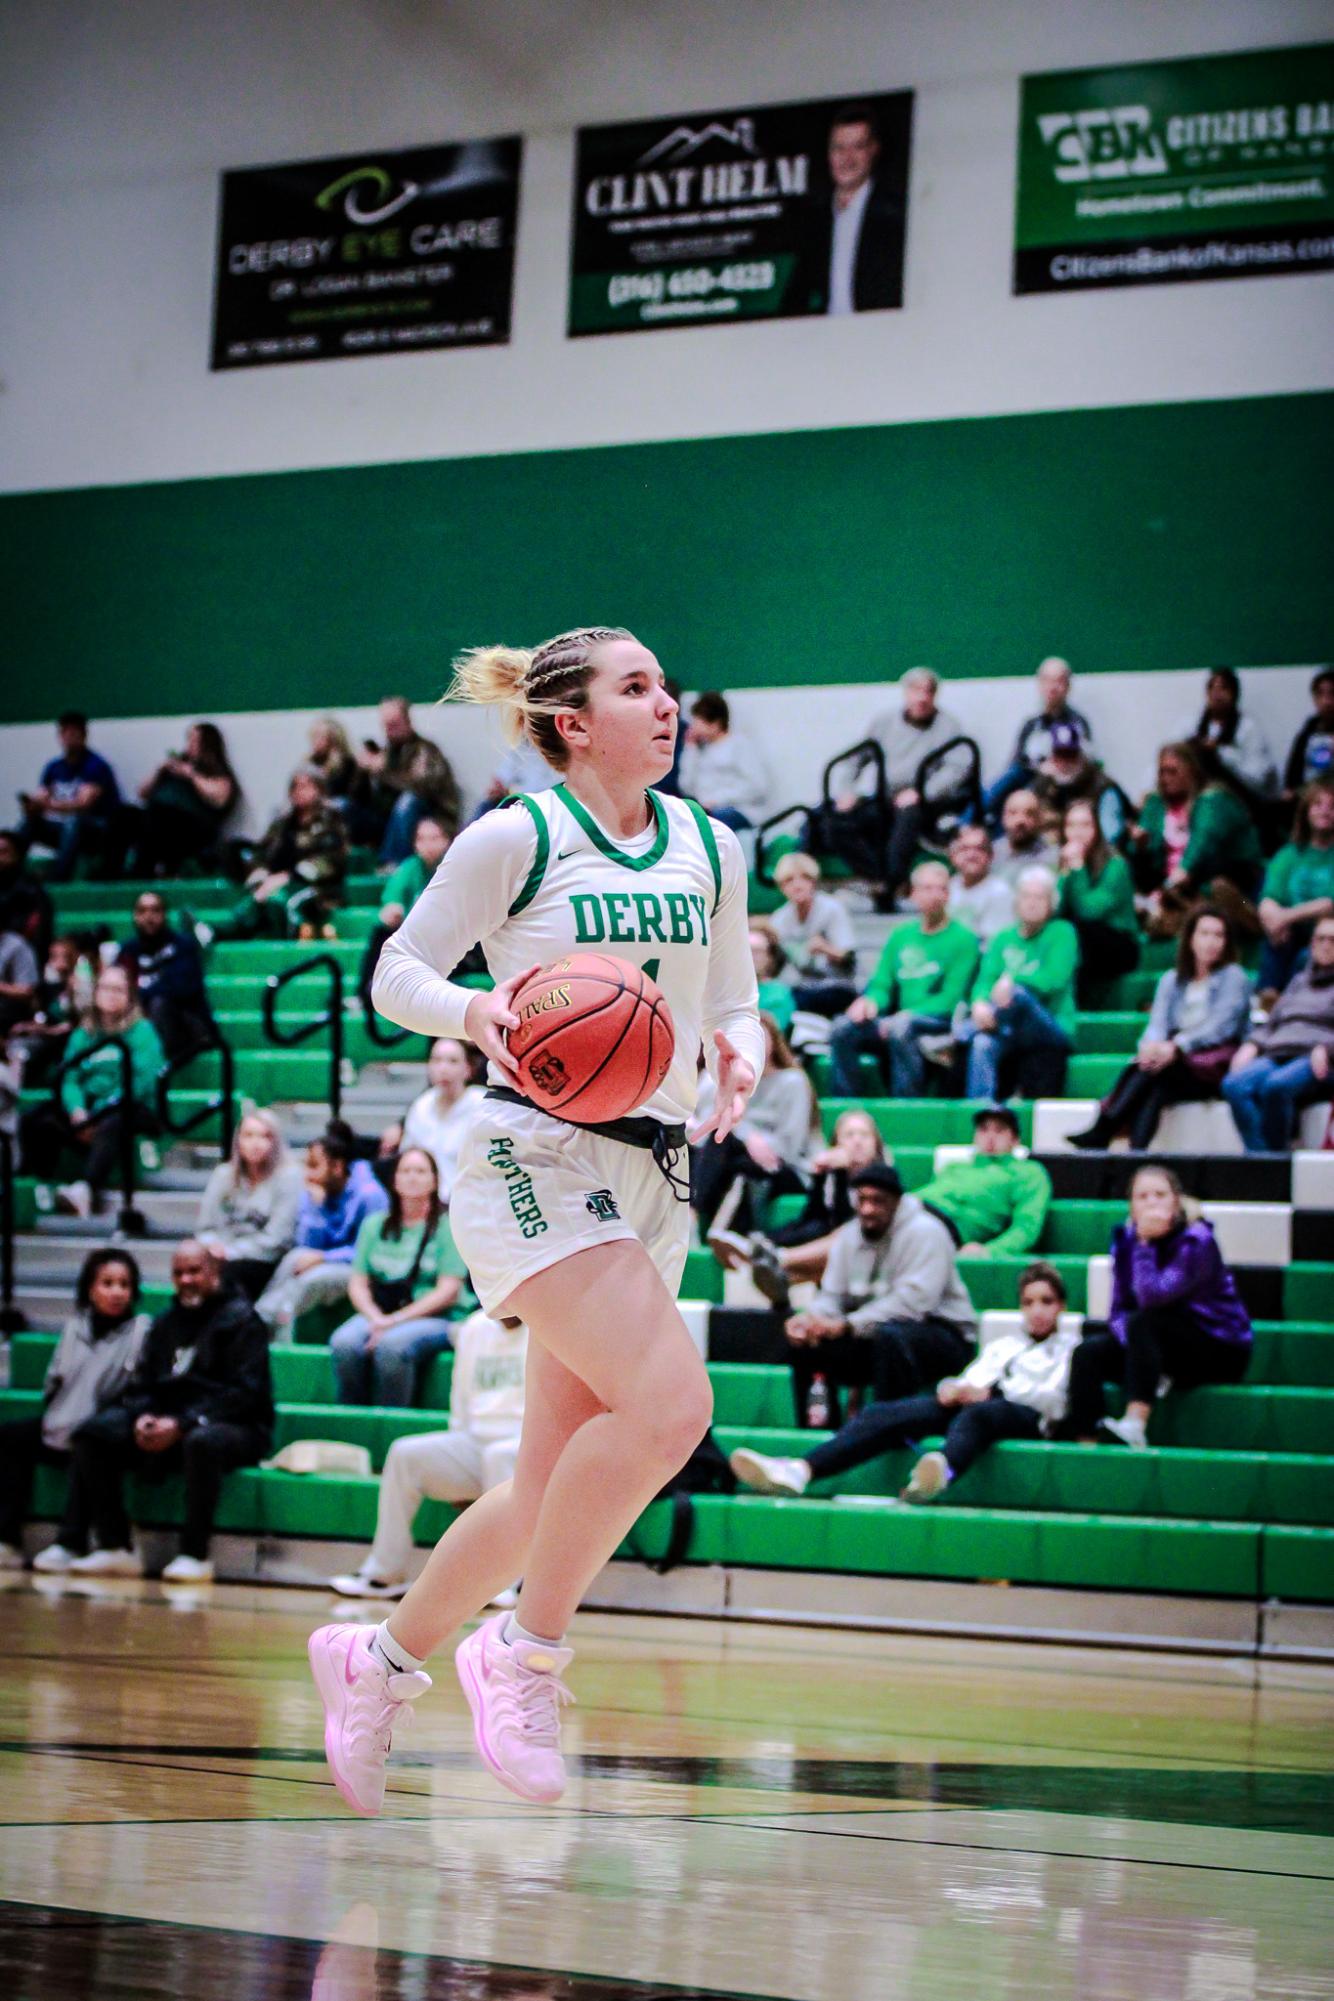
(530, 686)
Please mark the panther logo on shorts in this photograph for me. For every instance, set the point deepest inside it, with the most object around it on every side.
(548, 1073)
(602, 1205)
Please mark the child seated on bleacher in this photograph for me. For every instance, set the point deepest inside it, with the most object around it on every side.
(1016, 1388)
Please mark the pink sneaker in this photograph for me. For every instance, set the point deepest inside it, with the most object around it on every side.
(362, 1704)
(515, 1694)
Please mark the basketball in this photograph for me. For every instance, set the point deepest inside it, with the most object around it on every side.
(595, 1038)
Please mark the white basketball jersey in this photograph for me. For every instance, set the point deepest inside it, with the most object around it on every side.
(650, 901)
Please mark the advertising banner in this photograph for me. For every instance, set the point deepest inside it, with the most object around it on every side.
(777, 211)
(380, 253)
(1212, 167)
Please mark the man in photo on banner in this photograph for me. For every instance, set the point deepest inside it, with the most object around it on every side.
(849, 258)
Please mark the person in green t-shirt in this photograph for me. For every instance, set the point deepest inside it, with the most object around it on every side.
(408, 1285)
(924, 973)
(88, 1116)
(1298, 887)
(430, 844)
(1024, 996)
(1096, 893)
(776, 997)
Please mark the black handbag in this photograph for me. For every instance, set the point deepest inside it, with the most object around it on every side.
(392, 1294)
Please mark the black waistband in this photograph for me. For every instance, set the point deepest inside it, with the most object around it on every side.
(650, 1134)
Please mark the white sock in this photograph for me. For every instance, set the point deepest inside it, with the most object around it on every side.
(391, 1652)
(512, 1631)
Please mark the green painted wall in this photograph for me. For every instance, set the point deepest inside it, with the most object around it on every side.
(1162, 536)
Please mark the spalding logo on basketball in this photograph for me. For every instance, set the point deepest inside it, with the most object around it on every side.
(595, 1038)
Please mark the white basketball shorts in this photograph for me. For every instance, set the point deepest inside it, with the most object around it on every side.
(531, 1191)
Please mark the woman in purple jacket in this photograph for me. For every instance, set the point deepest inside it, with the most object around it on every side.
(1175, 1312)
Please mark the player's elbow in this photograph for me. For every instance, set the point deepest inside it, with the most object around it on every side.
(387, 991)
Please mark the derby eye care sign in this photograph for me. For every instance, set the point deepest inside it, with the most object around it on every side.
(1215, 167)
(378, 253)
(763, 213)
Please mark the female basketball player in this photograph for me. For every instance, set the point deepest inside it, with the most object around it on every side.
(580, 1231)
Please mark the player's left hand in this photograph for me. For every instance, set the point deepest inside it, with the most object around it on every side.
(736, 1081)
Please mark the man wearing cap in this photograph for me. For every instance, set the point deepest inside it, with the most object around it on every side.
(892, 1313)
(1068, 773)
(1033, 743)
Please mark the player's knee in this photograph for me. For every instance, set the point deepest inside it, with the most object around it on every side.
(678, 1419)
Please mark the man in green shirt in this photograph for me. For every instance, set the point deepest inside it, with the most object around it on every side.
(995, 1204)
(924, 973)
(1024, 997)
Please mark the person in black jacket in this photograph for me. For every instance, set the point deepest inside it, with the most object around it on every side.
(200, 1402)
(851, 256)
(168, 969)
(1312, 752)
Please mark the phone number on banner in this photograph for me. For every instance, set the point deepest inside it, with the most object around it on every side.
(648, 288)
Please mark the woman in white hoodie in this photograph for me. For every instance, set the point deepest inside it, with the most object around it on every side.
(1016, 1388)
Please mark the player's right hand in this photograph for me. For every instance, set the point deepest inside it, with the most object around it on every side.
(489, 1019)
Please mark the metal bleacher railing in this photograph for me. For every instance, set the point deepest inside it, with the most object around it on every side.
(965, 801)
(330, 1017)
(222, 1106)
(130, 1221)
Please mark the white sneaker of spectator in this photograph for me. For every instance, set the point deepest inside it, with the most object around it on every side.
(75, 1198)
(1125, 1430)
(364, 1583)
(108, 1563)
(929, 1478)
(188, 1570)
(770, 1476)
(54, 1559)
(10, 1557)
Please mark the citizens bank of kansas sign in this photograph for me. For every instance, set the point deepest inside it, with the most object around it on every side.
(377, 253)
(1212, 167)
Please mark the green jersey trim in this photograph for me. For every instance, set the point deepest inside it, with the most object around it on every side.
(532, 882)
(609, 848)
(710, 841)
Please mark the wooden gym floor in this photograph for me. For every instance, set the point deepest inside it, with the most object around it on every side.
(754, 1811)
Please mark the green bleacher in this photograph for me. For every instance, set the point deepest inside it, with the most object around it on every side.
(1235, 1496)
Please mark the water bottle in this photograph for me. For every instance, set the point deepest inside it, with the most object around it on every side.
(817, 1404)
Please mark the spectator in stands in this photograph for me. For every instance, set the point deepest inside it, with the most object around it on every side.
(1311, 755)
(1023, 1007)
(815, 931)
(1199, 1016)
(770, 962)
(1067, 774)
(522, 768)
(408, 777)
(1017, 1387)
(1288, 1061)
(1175, 1313)
(331, 755)
(97, 1353)
(926, 968)
(762, 1157)
(720, 768)
(186, 804)
(907, 736)
(1230, 744)
(1298, 886)
(64, 991)
(167, 967)
(88, 1116)
(72, 805)
(339, 1195)
(199, 1403)
(799, 1250)
(892, 1312)
(298, 875)
(1034, 741)
(248, 1211)
(407, 1280)
(443, 1116)
(979, 898)
(20, 976)
(1192, 836)
(25, 906)
(1096, 893)
(1024, 844)
(476, 1453)
(430, 844)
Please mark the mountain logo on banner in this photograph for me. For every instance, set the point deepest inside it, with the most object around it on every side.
(684, 140)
